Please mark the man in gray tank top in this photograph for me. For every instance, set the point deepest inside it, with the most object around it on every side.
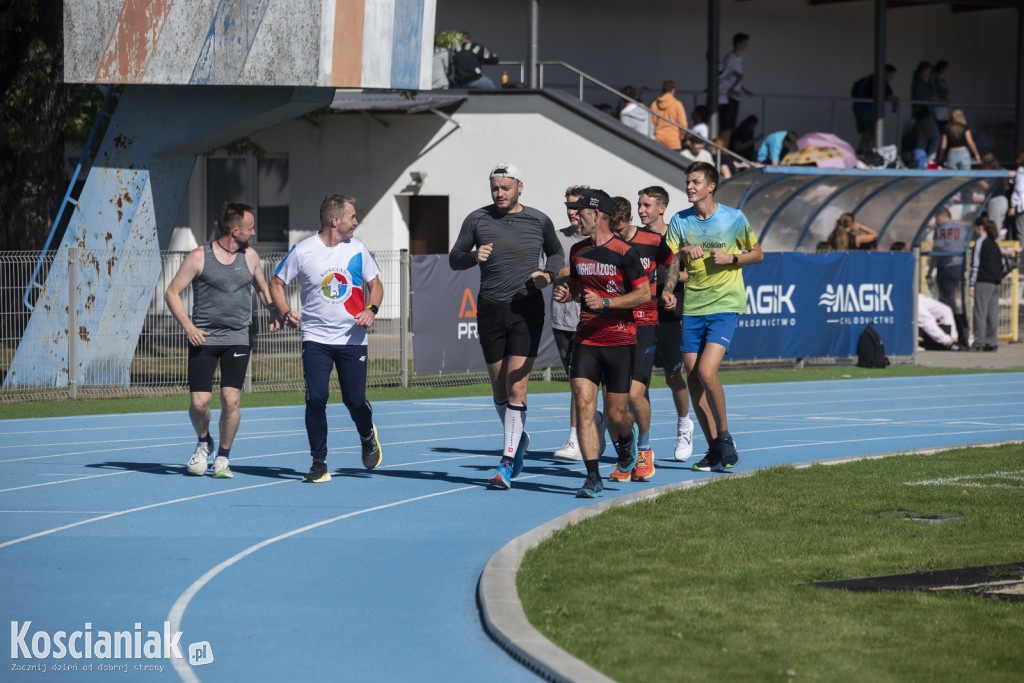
(221, 274)
(506, 239)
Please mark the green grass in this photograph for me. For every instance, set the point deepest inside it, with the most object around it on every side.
(711, 583)
(144, 404)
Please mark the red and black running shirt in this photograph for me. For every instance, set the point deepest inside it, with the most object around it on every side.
(609, 270)
(653, 252)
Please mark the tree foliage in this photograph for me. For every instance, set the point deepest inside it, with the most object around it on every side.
(38, 114)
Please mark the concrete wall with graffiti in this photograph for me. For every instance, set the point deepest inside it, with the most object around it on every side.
(327, 43)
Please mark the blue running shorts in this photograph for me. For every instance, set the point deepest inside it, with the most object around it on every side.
(699, 330)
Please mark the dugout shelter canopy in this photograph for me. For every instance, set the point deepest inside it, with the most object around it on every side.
(795, 208)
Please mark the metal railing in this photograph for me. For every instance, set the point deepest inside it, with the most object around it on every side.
(160, 360)
(583, 79)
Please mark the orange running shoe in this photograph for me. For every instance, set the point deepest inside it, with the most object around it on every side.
(644, 470)
(620, 476)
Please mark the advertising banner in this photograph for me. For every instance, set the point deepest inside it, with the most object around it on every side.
(817, 305)
(444, 328)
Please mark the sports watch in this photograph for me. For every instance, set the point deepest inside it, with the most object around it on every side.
(735, 258)
(606, 303)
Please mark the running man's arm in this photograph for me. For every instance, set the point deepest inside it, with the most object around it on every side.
(462, 256)
(252, 259)
(288, 316)
(555, 258)
(190, 269)
(375, 295)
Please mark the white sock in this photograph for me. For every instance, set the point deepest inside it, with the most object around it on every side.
(572, 435)
(683, 424)
(515, 419)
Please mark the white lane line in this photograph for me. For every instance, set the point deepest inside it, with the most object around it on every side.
(151, 506)
(182, 667)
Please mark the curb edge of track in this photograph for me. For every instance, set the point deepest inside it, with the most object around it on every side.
(501, 612)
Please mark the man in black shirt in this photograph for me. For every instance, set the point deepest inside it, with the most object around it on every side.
(466, 63)
(506, 239)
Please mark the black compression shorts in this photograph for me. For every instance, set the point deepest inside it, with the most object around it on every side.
(612, 365)
(643, 354)
(510, 328)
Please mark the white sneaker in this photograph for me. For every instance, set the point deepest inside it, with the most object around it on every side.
(222, 468)
(684, 441)
(570, 450)
(200, 459)
(602, 435)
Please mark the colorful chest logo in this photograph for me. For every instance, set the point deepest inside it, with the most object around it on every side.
(338, 287)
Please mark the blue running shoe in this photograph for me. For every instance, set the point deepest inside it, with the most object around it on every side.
(627, 461)
(517, 461)
(592, 488)
(502, 478)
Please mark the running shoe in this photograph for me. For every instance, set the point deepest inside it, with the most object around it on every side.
(592, 487)
(620, 476)
(502, 478)
(517, 461)
(318, 473)
(200, 459)
(712, 460)
(627, 460)
(371, 450)
(222, 468)
(644, 470)
(570, 450)
(684, 441)
(727, 447)
(602, 431)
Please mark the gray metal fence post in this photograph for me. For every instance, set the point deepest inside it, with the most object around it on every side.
(73, 323)
(403, 317)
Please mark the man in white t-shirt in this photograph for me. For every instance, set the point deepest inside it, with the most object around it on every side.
(333, 268)
(730, 78)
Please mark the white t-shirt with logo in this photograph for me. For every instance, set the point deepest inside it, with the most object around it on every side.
(330, 288)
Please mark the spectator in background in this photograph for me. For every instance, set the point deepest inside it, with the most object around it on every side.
(729, 165)
(986, 275)
(935, 321)
(694, 151)
(698, 123)
(941, 111)
(672, 109)
(744, 138)
(922, 91)
(999, 202)
(957, 139)
(864, 112)
(633, 115)
(950, 242)
(776, 146)
(730, 79)
(1017, 201)
(467, 63)
(849, 234)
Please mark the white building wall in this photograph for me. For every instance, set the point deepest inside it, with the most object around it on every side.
(356, 155)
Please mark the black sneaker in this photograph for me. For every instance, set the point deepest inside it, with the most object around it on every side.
(727, 450)
(318, 473)
(712, 460)
(371, 450)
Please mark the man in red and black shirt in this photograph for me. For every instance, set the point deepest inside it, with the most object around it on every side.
(608, 278)
(653, 252)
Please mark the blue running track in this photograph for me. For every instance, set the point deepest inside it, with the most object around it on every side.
(370, 577)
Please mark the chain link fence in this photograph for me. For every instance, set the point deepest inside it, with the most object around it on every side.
(159, 364)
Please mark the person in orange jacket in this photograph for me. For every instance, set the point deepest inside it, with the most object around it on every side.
(672, 109)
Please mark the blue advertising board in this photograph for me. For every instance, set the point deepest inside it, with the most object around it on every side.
(817, 305)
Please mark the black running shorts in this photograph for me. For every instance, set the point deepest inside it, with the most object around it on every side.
(202, 362)
(643, 354)
(510, 328)
(667, 345)
(612, 365)
(564, 342)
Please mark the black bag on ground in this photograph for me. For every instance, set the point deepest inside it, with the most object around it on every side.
(871, 349)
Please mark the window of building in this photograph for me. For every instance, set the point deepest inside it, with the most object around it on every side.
(260, 183)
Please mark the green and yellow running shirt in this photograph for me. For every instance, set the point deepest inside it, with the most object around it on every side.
(712, 288)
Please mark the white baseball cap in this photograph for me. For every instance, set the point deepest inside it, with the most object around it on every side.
(506, 170)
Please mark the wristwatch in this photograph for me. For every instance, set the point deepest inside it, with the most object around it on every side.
(735, 258)
(373, 307)
(606, 303)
